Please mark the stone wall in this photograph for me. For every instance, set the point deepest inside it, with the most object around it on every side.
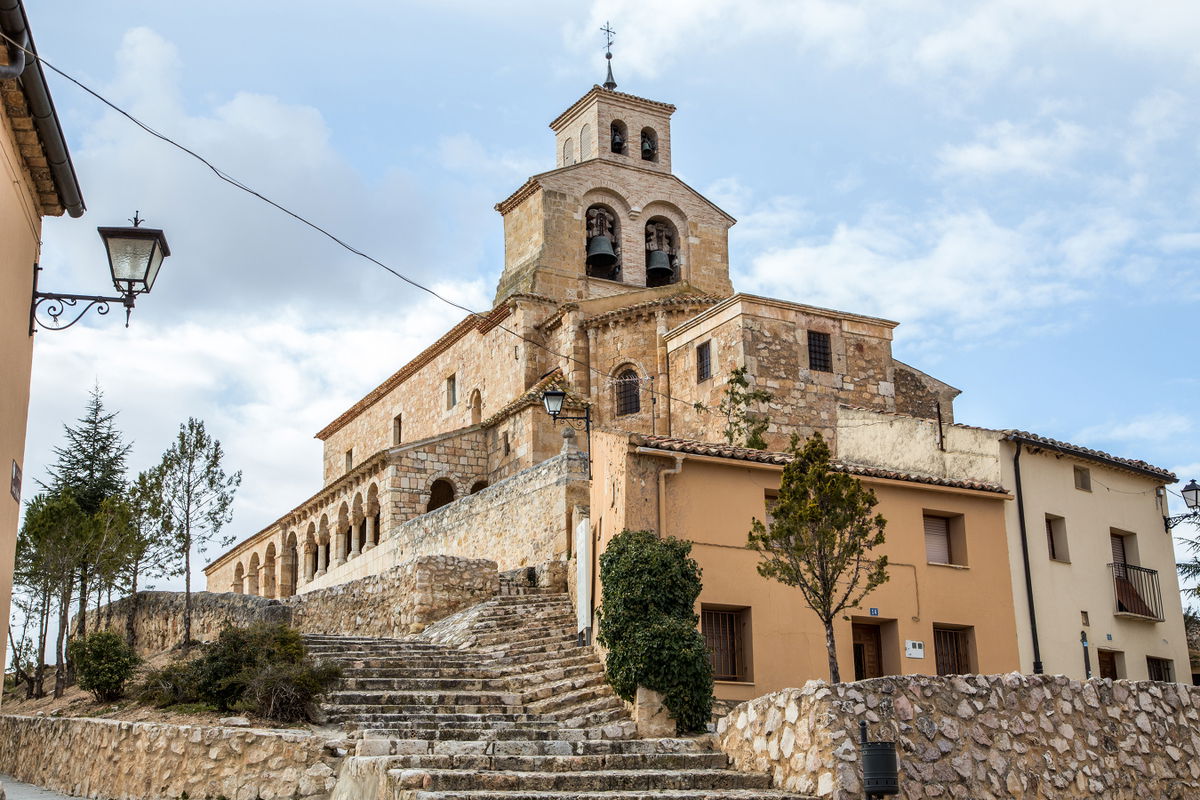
(983, 737)
(399, 601)
(158, 619)
(163, 762)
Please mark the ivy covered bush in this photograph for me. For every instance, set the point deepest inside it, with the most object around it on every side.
(104, 662)
(648, 624)
(263, 669)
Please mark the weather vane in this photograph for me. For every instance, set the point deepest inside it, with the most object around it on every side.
(609, 83)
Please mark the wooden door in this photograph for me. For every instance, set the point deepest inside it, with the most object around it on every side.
(1107, 662)
(868, 652)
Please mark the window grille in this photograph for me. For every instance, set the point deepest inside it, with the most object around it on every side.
(820, 354)
(629, 400)
(952, 651)
(723, 637)
(1160, 669)
(703, 361)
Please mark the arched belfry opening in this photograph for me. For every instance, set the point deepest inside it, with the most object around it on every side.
(603, 243)
(618, 137)
(649, 145)
(662, 252)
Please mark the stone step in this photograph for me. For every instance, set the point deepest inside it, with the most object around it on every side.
(653, 794)
(563, 763)
(388, 683)
(418, 698)
(537, 747)
(380, 711)
(567, 693)
(486, 734)
(588, 781)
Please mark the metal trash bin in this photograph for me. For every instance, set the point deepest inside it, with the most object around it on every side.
(880, 765)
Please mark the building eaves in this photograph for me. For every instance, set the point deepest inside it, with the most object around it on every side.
(30, 109)
(598, 90)
(680, 301)
(533, 396)
(774, 302)
(1034, 440)
(732, 453)
(481, 323)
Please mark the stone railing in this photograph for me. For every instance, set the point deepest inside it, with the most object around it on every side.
(985, 737)
(79, 757)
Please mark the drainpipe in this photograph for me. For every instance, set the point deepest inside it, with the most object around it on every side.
(662, 493)
(14, 24)
(1037, 650)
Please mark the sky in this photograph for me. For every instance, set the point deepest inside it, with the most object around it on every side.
(1014, 181)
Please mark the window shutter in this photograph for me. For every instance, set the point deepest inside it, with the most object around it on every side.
(937, 540)
(1118, 548)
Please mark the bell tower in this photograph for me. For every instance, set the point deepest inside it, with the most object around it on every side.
(611, 217)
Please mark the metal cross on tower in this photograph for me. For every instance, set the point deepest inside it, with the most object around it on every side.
(609, 82)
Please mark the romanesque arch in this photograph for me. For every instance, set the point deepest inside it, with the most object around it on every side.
(627, 391)
(602, 243)
(239, 575)
(374, 516)
(252, 575)
(310, 552)
(662, 252)
(618, 137)
(267, 582)
(649, 145)
(341, 539)
(358, 526)
(476, 407)
(289, 566)
(323, 545)
(441, 493)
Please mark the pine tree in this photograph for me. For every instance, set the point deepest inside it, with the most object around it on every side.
(820, 537)
(147, 550)
(196, 500)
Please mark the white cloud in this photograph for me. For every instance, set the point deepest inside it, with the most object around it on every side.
(1007, 147)
(1159, 426)
(462, 152)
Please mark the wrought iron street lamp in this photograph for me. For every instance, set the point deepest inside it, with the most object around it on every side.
(553, 399)
(1191, 499)
(135, 256)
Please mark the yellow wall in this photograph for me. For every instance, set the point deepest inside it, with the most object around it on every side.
(20, 234)
(712, 503)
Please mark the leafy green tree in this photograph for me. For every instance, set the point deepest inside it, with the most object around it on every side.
(649, 625)
(146, 551)
(197, 496)
(104, 663)
(820, 536)
(744, 427)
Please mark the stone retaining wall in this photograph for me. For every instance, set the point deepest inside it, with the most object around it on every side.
(399, 601)
(982, 737)
(162, 762)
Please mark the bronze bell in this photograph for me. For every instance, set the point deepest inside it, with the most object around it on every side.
(659, 270)
(600, 252)
(647, 149)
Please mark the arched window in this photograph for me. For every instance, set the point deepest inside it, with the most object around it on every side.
(629, 396)
(585, 142)
(478, 486)
(662, 252)
(649, 145)
(476, 407)
(441, 493)
(603, 258)
(619, 137)
(568, 152)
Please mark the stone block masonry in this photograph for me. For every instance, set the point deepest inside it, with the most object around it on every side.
(983, 737)
(158, 761)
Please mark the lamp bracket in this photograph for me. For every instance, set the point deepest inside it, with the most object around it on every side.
(1191, 516)
(57, 304)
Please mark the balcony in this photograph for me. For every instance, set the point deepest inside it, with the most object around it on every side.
(1136, 593)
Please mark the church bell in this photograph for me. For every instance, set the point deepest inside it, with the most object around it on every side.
(600, 252)
(658, 267)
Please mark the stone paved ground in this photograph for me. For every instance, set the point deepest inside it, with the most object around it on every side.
(15, 790)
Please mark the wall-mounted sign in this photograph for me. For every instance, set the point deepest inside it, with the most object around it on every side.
(874, 612)
(15, 486)
(914, 649)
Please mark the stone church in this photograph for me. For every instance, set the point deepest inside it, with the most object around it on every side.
(615, 288)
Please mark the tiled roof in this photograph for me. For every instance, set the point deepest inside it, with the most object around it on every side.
(775, 457)
(533, 396)
(1136, 465)
(684, 300)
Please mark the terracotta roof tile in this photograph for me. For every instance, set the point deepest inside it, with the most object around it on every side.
(1136, 465)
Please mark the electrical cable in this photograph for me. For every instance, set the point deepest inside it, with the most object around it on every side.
(226, 177)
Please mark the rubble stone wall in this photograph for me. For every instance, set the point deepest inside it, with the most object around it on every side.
(399, 601)
(159, 761)
(983, 737)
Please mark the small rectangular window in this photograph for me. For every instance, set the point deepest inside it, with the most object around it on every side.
(1084, 619)
(937, 540)
(397, 429)
(1056, 538)
(820, 354)
(727, 635)
(451, 392)
(1083, 479)
(703, 362)
(1160, 669)
(349, 459)
(771, 501)
(504, 445)
(952, 650)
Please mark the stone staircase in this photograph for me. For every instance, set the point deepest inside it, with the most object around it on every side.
(500, 702)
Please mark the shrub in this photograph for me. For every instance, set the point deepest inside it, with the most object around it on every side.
(104, 662)
(263, 668)
(648, 624)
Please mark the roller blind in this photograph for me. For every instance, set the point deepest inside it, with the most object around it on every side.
(937, 540)
(1118, 548)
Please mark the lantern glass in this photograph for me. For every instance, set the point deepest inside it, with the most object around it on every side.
(552, 399)
(1191, 495)
(135, 256)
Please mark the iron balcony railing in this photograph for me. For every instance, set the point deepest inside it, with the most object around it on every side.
(1136, 592)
